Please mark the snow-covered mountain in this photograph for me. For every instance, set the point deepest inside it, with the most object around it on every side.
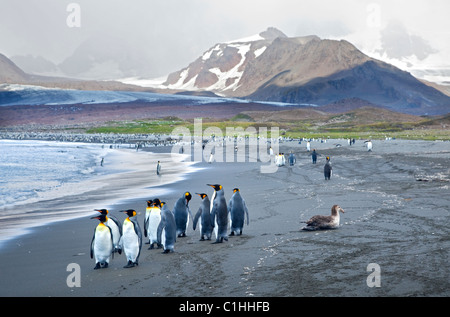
(305, 70)
(221, 68)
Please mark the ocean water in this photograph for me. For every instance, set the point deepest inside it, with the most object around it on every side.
(31, 171)
(46, 181)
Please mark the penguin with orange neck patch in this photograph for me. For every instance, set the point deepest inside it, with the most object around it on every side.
(115, 226)
(102, 245)
(238, 210)
(131, 240)
(219, 213)
(182, 213)
(167, 229)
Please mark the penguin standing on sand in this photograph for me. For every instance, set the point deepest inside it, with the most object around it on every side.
(182, 213)
(206, 224)
(327, 169)
(238, 210)
(102, 245)
(153, 222)
(219, 214)
(115, 226)
(167, 229)
(158, 168)
(131, 240)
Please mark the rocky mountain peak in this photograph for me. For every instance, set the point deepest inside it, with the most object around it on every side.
(272, 33)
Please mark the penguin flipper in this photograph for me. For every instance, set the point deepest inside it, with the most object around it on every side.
(246, 211)
(92, 246)
(145, 227)
(197, 216)
(159, 231)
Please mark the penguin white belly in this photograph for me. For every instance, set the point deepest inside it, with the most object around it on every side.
(130, 241)
(102, 244)
(153, 223)
(216, 227)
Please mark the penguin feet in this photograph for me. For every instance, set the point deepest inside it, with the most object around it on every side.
(151, 246)
(130, 264)
(167, 251)
(232, 233)
(219, 240)
(182, 235)
(99, 265)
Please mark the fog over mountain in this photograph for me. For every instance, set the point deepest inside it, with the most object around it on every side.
(149, 39)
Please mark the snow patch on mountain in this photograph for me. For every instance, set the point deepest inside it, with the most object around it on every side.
(259, 51)
(230, 79)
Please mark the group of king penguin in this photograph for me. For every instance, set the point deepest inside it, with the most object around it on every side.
(162, 226)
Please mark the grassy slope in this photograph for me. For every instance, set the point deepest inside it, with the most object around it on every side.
(362, 123)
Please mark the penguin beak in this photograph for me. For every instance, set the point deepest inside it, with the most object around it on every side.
(341, 210)
(96, 217)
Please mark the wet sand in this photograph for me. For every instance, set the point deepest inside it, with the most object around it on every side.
(396, 206)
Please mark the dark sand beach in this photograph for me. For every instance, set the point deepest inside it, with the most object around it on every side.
(396, 201)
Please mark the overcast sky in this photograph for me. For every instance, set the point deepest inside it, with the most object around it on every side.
(175, 32)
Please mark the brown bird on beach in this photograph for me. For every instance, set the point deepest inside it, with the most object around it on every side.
(324, 222)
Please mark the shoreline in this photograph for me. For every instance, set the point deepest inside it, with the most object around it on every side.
(392, 218)
(79, 199)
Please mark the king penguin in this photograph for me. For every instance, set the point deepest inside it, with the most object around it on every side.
(131, 240)
(102, 243)
(115, 226)
(167, 229)
(182, 213)
(238, 210)
(153, 222)
(219, 213)
(206, 224)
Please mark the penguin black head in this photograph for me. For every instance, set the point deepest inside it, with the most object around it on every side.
(216, 187)
(157, 203)
(101, 217)
(188, 197)
(202, 195)
(149, 203)
(130, 212)
(236, 190)
(102, 211)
